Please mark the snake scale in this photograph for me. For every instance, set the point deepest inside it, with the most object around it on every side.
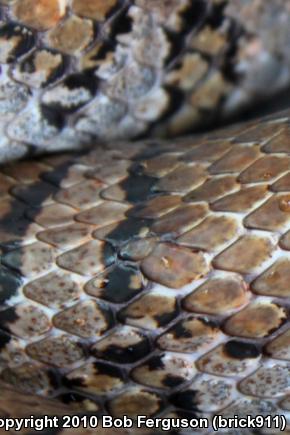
(143, 273)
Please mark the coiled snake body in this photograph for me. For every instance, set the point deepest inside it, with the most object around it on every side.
(145, 277)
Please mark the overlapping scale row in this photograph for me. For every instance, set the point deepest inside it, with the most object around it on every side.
(74, 71)
(151, 278)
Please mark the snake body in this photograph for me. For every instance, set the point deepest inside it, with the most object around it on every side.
(146, 277)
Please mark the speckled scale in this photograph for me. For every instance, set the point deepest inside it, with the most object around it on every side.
(206, 393)
(96, 378)
(58, 351)
(30, 378)
(231, 359)
(25, 321)
(85, 319)
(258, 383)
(68, 235)
(192, 334)
(164, 371)
(54, 289)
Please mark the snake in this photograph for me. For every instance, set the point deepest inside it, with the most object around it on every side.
(144, 235)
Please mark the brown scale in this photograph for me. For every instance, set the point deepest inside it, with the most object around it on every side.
(236, 160)
(242, 200)
(279, 346)
(265, 169)
(25, 172)
(174, 266)
(183, 179)
(282, 184)
(272, 215)
(53, 215)
(257, 320)
(46, 15)
(156, 207)
(261, 134)
(67, 236)
(218, 296)
(213, 189)
(212, 233)
(72, 36)
(214, 150)
(14, 236)
(179, 220)
(245, 255)
(103, 214)
(274, 281)
(279, 143)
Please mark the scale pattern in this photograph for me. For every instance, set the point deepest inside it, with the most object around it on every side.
(151, 278)
(73, 71)
(147, 277)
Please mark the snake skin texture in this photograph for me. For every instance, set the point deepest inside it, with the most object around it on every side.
(77, 71)
(148, 276)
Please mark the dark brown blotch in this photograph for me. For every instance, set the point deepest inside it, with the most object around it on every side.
(241, 350)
